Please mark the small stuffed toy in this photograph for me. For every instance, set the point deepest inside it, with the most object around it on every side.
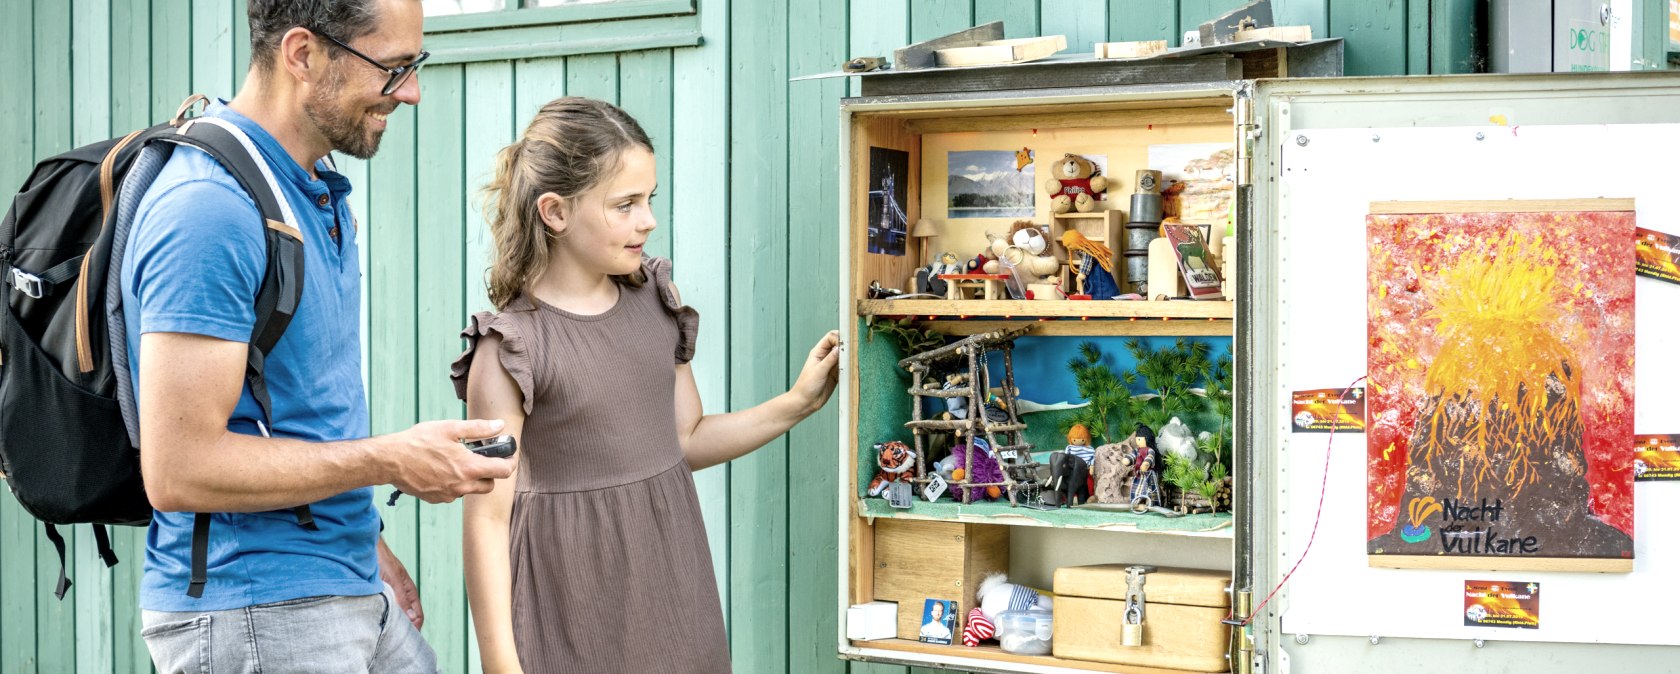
(956, 407)
(896, 462)
(985, 470)
(1075, 184)
(977, 628)
(1177, 440)
(997, 594)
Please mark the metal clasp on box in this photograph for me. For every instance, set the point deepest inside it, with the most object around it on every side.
(1131, 629)
(28, 284)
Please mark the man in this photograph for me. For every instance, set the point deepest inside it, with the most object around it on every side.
(324, 75)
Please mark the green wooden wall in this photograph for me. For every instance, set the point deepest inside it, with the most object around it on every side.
(748, 168)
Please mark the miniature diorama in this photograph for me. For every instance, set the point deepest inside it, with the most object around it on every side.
(991, 457)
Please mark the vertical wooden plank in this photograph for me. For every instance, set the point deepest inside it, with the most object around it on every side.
(1416, 37)
(17, 154)
(130, 109)
(241, 44)
(1130, 20)
(212, 36)
(1375, 34)
(392, 304)
(932, 18)
(171, 57)
(593, 75)
(699, 229)
(645, 93)
(490, 126)
(442, 235)
(1315, 13)
(758, 305)
(90, 90)
(815, 42)
(131, 42)
(55, 620)
(1020, 19)
(877, 28)
(536, 82)
(1084, 22)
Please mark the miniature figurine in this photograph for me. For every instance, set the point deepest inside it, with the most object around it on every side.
(1177, 440)
(1075, 184)
(956, 407)
(1146, 480)
(1069, 480)
(1079, 443)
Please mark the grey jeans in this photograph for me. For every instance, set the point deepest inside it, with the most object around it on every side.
(315, 634)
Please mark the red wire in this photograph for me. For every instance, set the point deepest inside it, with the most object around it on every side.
(1322, 488)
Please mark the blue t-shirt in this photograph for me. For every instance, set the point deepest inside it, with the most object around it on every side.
(195, 259)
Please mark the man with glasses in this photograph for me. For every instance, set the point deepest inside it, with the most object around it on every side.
(279, 592)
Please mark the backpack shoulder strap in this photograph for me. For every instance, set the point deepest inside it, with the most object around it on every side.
(277, 298)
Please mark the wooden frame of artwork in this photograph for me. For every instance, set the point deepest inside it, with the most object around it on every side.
(1501, 384)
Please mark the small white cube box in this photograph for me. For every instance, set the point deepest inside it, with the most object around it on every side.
(874, 620)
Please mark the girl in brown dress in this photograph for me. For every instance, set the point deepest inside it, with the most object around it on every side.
(593, 558)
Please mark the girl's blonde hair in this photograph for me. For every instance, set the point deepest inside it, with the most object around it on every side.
(571, 146)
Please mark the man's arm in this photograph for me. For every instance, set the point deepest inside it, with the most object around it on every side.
(189, 385)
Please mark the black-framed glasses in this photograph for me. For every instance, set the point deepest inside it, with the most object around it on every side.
(399, 74)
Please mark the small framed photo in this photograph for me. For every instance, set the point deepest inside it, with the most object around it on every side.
(939, 620)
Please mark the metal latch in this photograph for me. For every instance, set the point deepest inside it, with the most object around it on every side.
(1131, 628)
(28, 284)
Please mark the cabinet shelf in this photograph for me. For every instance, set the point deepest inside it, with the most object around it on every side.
(913, 651)
(1035, 309)
(1205, 525)
(1063, 317)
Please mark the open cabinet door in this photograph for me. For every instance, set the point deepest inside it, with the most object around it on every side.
(1450, 261)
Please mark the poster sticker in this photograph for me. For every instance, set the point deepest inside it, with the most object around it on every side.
(1326, 410)
(1657, 255)
(1656, 457)
(1498, 603)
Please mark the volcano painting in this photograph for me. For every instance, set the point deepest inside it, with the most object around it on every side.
(1500, 355)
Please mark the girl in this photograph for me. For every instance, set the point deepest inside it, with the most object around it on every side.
(594, 557)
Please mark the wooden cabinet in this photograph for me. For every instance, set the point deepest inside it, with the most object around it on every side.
(922, 142)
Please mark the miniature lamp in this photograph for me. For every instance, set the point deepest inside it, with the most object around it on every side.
(924, 229)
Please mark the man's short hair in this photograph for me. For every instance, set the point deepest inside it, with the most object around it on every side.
(270, 19)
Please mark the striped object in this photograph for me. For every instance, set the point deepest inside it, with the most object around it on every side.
(1022, 598)
(979, 628)
(1086, 452)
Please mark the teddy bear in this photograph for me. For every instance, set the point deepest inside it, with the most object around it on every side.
(1075, 183)
(896, 462)
(984, 470)
(1024, 252)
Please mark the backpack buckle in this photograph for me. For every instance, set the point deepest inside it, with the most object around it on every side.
(28, 284)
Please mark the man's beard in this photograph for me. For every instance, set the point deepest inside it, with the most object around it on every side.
(345, 130)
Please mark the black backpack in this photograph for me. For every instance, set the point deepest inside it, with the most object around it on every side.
(69, 429)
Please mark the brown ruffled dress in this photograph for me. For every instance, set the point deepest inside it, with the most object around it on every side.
(611, 571)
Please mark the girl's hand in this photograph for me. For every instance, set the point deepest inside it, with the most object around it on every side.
(820, 374)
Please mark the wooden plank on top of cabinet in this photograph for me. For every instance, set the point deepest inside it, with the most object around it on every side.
(1028, 309)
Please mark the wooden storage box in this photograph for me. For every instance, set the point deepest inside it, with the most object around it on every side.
(920, 560)
(1182, 626)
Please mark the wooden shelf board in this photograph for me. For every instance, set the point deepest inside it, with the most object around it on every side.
(1136, 327)
(1032, 309)
(1075, 215)
(1000, 512)
(990, 652)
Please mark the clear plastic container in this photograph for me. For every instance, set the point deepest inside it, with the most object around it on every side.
(1025, 632)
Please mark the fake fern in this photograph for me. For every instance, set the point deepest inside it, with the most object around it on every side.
(1109, 395)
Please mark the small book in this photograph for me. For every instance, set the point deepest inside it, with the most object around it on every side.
(1201, 275)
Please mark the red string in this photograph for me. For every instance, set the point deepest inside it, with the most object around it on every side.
(1322, 488)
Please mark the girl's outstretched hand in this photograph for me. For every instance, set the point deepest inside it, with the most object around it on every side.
(821, 372)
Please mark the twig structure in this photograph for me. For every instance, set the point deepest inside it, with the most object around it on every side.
(1006, 438)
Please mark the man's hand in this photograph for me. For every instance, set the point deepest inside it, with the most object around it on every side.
(391, 571)
(431, 463)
